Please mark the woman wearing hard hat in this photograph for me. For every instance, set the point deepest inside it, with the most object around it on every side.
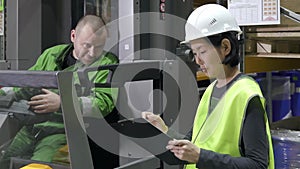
(230, 127)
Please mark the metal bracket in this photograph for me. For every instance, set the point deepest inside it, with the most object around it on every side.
(4, 65)
(290, 14)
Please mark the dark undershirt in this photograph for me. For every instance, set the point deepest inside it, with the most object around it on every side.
(254, 145)
(69, 60)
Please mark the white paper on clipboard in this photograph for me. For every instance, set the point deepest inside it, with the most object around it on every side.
(148, 137)
(255, 12)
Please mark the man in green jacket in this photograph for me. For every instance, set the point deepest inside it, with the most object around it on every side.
(41, 141)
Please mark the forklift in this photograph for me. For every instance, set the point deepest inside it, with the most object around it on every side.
(149, 41)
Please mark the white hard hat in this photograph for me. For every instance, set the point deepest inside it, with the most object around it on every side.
(207, 20)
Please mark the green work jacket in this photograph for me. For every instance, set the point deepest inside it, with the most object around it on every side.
(99, 98)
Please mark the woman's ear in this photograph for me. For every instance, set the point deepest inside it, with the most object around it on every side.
(226, 46)
(73, 35)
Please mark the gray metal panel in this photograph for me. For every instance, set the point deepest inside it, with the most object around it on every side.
(138, 103)
(126, 30)
(80, 155)
(145, 163)
(12, 32)
(112, 40)
(4, 65)
(13, 78)
(33, 26)
(23, 32)
(8, 128)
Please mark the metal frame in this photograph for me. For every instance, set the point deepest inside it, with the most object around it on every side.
(290, 14)
(80, 155)
(9, 78)
(79, 151)
(141, 70)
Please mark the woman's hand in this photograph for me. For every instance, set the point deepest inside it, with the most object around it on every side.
(45, 103)
(184, 150)
(156, 121)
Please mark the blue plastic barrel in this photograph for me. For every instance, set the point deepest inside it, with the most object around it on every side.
(295, 90)
(280, 94)
(286, 147)
(296, 100)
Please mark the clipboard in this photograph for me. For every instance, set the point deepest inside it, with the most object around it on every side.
(149, 137)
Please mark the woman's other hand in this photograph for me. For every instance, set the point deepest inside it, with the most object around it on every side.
(156, 121)
(184, 150)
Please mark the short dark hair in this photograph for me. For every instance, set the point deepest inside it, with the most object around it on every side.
(95, 22)
(233, 58)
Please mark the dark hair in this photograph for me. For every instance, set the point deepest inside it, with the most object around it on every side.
(95, 22)
(233, 57)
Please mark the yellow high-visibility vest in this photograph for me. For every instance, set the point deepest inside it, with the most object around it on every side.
(221, 131)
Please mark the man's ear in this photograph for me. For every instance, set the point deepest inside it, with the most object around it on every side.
(73, 35)
(226, 46)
